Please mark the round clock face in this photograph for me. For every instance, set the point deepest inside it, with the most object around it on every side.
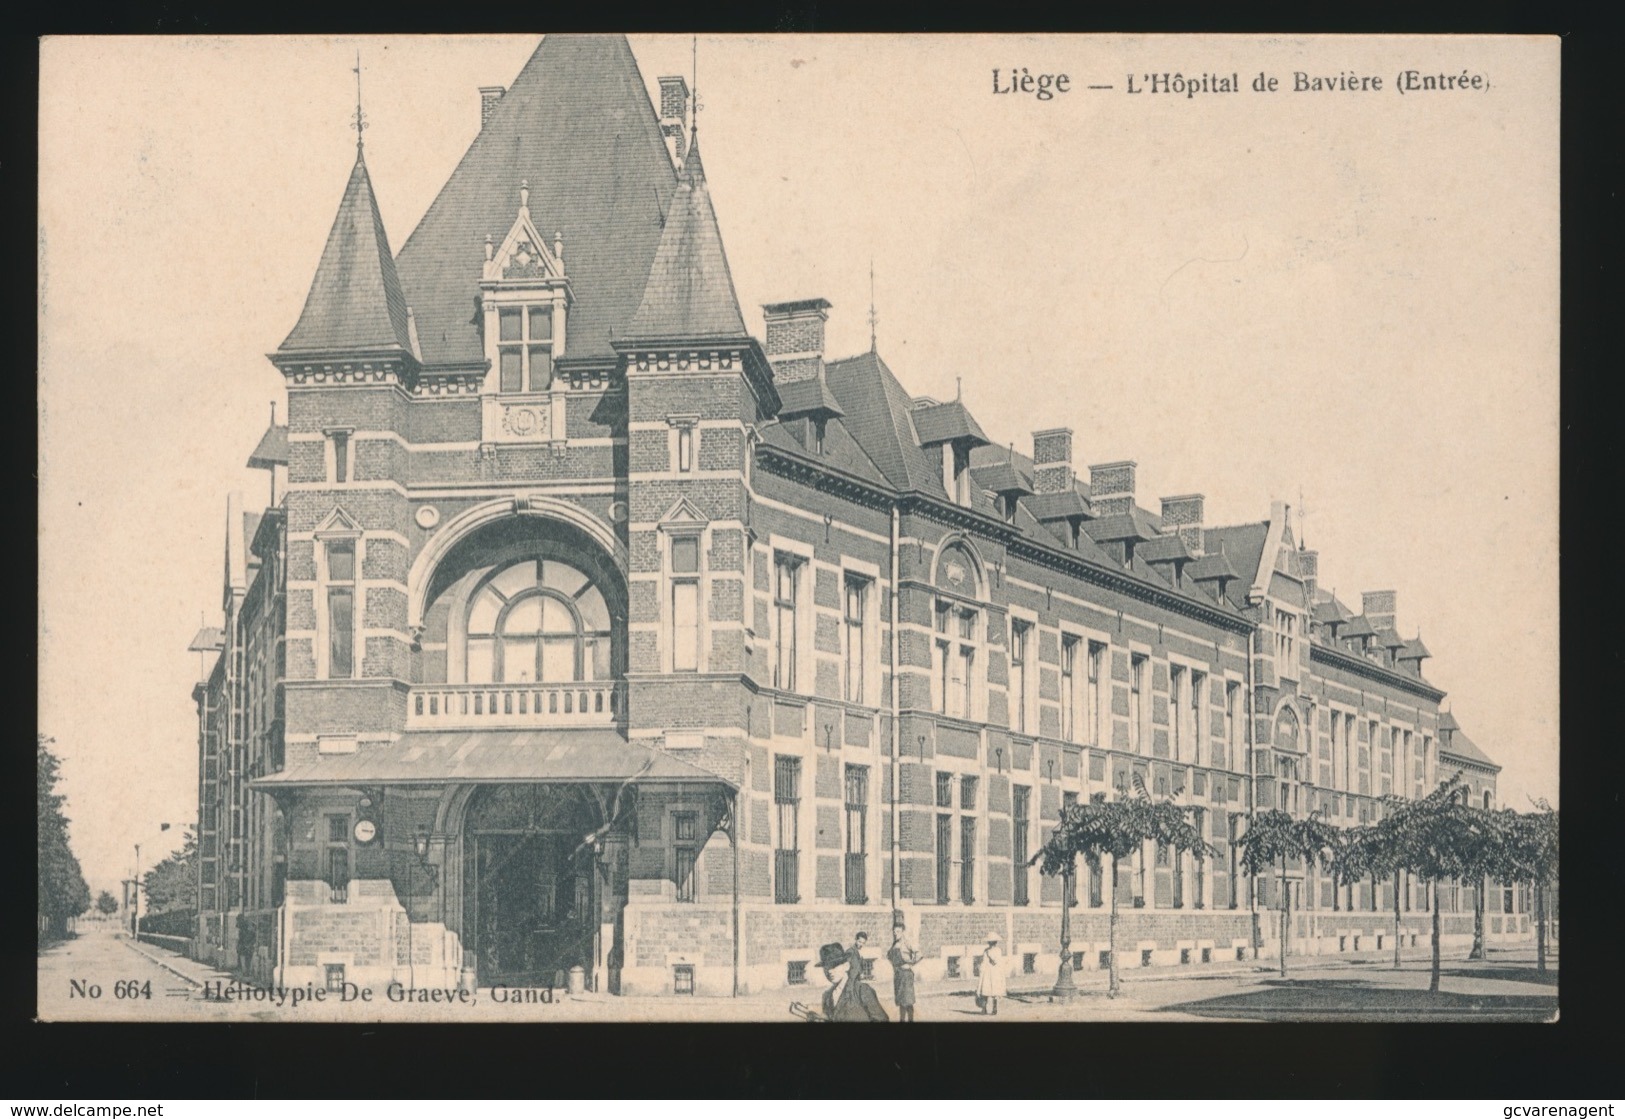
(365, 831)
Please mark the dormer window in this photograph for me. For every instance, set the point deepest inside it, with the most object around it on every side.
(525, 348)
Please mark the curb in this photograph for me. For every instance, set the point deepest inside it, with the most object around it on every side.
(161, 962)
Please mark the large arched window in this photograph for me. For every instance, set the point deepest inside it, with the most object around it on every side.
(537, 620)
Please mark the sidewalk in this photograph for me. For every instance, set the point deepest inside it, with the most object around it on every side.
(176, 964)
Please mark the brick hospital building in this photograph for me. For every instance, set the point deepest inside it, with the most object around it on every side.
(587, 630)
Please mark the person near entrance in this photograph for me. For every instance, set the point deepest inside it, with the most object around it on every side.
(849, 998)
(990, 988)
(246, 938)
(902, 956)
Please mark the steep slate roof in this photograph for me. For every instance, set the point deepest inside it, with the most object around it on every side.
(1000, 477)
(1414, 650)
(1243, 546)
(578, 125)
(1358, 626)
(272, 449)
(355, 301)
(1057, 506)
(1461, 746)
(1133, 525)
(690, 292)
(840, 450)
(807, 397)
(877, 414)
(940, 423)
(209, 639)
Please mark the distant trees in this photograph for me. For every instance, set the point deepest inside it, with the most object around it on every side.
(106, 904)
(63, 894)
(171, 886)
(1118, 828)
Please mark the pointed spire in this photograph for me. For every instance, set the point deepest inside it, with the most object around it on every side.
(690, 291)
(874, 319)
(359, 121)
(355, 301)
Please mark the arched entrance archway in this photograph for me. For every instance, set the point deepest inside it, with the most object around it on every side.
(530, 891)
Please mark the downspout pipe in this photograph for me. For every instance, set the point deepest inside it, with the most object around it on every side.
(896, 721)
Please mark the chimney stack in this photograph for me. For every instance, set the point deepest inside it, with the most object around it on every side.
(1379, 608)
(674, 116)
(1111, 488)
(1183, 514)
(1309, 571)
(795, 338)
(1052, 460)
(489, 96)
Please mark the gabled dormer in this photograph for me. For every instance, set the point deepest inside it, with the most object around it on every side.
(525, 301)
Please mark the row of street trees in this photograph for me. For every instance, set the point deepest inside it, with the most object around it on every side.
(1438, 838)
(63, 894)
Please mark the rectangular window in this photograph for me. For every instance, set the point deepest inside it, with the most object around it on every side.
(967, 859)
(945, 790)
(541, 368)
(857, 834)
(1232, 701)
(945, 855)
(784, 618)
(1097, 695)
(1018, 674)
(685, 604)
(1020, 807)
(684, 833)
(1198, 714)
(340, 609)
(967, 794)
(1136, 713)
(857, 594)
(1069, 688)
(1176, 710)
(787, 809)
(341, 456)
(685, 448)
(337, 861)
(512, 369)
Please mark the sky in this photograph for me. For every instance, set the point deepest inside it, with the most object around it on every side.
(1342, 300)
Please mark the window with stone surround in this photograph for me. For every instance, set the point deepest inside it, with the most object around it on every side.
(1137, 697)
(340, 594)
(525, 348)
(1020, 632)
(1069, 687)
(856, 648)
(685, 853)
(685, 603)
(786, 579)
(787, 820)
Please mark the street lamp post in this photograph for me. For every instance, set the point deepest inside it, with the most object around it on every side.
(1065, 989)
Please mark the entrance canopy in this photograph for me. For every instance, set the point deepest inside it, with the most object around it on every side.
(490, 756)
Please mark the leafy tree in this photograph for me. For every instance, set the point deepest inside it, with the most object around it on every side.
(63, 893)
(1531, 855)
(1271, 839)
(1439, 837)
(171, 886)
(1117, 828)
(106, 904)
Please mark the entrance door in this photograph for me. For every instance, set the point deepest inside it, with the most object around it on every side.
(533, 906)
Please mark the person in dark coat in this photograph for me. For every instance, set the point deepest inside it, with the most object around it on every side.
(849, 998)
(903, 956)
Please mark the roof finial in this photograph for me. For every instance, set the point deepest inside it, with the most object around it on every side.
(874, 318)
(694, 89)
(524, 194)
(959, 388)
(359, 122)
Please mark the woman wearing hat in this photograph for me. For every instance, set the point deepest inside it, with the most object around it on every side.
(990, 988)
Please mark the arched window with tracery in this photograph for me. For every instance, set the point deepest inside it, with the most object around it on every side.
(537, 620)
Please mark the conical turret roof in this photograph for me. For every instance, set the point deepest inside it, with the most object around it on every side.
(578, 126)
(355, 301)
(689, 292)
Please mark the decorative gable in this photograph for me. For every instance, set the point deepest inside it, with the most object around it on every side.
(685, 514)
(339, 523)
(524, 256)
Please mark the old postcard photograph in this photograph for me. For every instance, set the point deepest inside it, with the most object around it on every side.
(881, 528)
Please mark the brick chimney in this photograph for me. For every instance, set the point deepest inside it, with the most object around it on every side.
(795, 337)
(1052, 460)
(674, 116)
(1111, 488)
(1183, 514)
(1379, 608)
(1309, 571)
(489, 96)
